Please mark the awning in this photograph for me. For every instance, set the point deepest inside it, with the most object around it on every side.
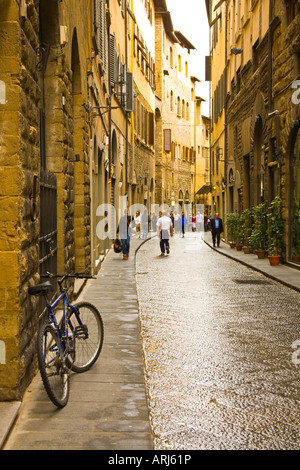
(205, 189)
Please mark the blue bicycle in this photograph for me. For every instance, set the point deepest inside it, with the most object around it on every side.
(70, 344)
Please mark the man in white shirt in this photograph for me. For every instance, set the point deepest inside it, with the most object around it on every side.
(165, 230)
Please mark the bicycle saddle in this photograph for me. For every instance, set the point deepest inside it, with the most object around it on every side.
(41, 288)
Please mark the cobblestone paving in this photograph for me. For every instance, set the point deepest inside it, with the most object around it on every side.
(218, 352)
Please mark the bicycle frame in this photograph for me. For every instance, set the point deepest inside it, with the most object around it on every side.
(63, 330)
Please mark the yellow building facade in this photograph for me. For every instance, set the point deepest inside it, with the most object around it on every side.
(174, 143)
(259, 47)
(85, 100)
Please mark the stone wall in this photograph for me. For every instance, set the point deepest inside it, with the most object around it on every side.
(19, 146)
(61, 91)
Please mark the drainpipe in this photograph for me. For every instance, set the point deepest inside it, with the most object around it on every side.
(127, 114)
(109, 109)
(270, 40)
(225, 118)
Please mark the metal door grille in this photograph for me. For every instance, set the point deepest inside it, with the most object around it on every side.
(48, 223)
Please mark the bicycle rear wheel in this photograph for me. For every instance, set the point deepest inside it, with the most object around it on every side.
(88, 336)
(54, 372)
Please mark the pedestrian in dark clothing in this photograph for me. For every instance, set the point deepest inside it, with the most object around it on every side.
(183, 223)
(216, 225)
(172, 218)
(124, 232)
(154, 221)
(205, 222)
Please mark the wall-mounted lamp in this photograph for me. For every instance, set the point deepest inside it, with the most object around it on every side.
(236, 51)
(90, 78)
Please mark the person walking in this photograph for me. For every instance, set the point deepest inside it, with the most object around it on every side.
(154, 222)
(165, 230)
(194, 221)
(199, 218)
(216, 225)
(145, 224)
(173, 220)
(124, 232)
(176, 222)
(183, 223)
(137, 221)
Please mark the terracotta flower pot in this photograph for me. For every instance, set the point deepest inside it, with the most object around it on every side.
(274, 260)
(246, 250)
(239, 247)
(261, 254)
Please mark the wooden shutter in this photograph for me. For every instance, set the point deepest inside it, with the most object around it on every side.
(151, 128)
(129, 93)
(113, 60)
(167, 140)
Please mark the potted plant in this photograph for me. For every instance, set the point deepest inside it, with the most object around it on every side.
(275, 231)
(232, 228)
(258, 237)
(246, 228)
(239, 235)
(296, 233)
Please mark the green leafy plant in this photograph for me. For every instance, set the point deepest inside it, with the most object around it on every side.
(296, 230)
(246, 220)
(258, 238)
(232, 223)
(275, 229)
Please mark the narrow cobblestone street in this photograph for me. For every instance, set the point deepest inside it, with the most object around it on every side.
(217, 339)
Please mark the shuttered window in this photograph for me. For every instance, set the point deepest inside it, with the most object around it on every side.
(151, 129)
(167, 140)
(100, 31)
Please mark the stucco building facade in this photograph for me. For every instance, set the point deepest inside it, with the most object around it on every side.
(83, 93)
(174, 143)
(257, 110)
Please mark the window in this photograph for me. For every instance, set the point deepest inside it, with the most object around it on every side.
(171, 57)
(295, 200)
(179, 63)
(255, 57)
(186, 69)
(171, 101)
(151, 128)
(187, 112)
(178, 107)
(167, 140)
(291, 6)
(138, 118)
(100, 31)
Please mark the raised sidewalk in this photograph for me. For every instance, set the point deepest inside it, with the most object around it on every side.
(108, 407)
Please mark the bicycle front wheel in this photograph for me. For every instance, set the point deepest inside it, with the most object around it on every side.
(89, 333)
(54, 372)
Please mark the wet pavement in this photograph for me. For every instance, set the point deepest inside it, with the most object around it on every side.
(215, 369)
(107, 408)
(218, 345)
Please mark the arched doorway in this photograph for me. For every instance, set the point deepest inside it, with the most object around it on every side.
(78, 157)
(294, 252)
(180, 199)
(258, 160)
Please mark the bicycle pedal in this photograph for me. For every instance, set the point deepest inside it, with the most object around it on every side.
(81, 331)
